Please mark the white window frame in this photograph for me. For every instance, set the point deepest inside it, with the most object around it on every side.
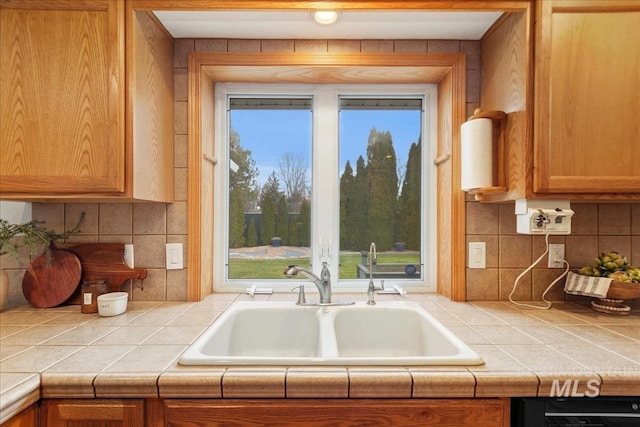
(325, 239)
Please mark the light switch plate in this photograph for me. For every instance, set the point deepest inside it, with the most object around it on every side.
(477, 255)
(174, 256)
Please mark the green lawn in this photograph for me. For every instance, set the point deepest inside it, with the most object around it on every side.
(241, 268)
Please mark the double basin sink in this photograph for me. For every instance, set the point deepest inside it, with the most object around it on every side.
(282, 333)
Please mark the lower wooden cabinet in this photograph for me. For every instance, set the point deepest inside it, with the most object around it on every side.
(26, 418)
(338, 412)
(267, 412)
(92, 413)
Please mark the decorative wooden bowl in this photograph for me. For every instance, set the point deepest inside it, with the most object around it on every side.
(623, 290)
(614, 302)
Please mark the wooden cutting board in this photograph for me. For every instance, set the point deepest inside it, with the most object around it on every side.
(49, 284)
(104, 261)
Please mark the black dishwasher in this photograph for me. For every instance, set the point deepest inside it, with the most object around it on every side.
(575, 412)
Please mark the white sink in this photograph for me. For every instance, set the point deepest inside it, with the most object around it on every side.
(281, 333)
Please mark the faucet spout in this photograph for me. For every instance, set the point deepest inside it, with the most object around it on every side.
(323, 283)
(371, 289)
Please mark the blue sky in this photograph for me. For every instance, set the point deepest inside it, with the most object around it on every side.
(270, 134)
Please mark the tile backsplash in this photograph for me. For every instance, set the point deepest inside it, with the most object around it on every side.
(595, 228)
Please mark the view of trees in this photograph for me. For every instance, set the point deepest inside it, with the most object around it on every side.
(371, 210)
(374, 205)
(285, 214)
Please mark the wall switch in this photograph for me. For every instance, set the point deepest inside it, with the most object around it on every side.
(128, 255)
(477, 254)
(174, 256)
(556, 255)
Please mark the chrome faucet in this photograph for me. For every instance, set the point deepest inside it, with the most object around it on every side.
(371, 290)
(323, 283)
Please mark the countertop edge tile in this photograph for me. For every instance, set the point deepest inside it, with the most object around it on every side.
(254, 382)
(191, 384)
(129, 384)
(317, 383)
(429, 383)
(67, 385)
(557, 384)
(24, 393)
(379, 382)
(506, 384)
(620, 383)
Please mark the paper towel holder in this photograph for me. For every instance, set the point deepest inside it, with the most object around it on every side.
(498, 119)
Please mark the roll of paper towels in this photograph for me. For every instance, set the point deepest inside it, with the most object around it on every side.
(477, 154)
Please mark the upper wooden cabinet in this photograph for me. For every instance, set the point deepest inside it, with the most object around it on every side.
(587, 97)
(83, 117)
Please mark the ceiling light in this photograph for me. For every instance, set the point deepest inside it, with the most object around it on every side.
(325, 17)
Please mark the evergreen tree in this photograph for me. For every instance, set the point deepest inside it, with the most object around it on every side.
(383, 189)
(358, 228)
(242, 189)
(409, 212)
(242, 178)
(282, 219)
(305, 224)
(346, 206)
(252, 234)
(236, 220)
(268, 200)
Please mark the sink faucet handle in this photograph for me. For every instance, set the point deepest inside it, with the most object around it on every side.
(301, 296)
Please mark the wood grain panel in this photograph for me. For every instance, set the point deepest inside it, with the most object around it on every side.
(505, 5)
(92, 412)
(62, 123)
(150, 112)
(26, 418)
(588, 99)
(507, 86)
(350, 412)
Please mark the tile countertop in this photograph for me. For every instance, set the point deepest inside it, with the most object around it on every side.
(62, 353)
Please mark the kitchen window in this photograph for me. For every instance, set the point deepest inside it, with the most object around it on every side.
(313, 174)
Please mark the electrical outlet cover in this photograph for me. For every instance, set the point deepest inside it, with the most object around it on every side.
(556, 255)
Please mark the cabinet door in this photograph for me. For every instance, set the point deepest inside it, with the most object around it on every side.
(587, 131)
(26, 418)
(92, 413)
(62, 96)
(349, 412)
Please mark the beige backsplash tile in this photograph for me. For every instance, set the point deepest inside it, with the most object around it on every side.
(585, 219)
(614, 219)
(482, 284)
(515, 251)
